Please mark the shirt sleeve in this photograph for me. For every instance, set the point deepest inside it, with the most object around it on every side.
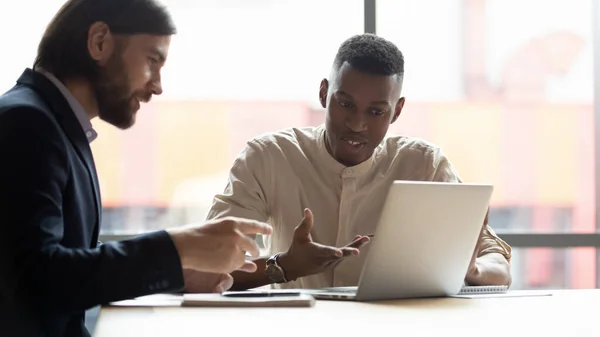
(443, 171)
(245, 194)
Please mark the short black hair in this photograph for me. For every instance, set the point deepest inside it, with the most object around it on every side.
(371, 54)
(63, 48)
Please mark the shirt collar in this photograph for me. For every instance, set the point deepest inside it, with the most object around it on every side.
(77, 108)
(337, 167)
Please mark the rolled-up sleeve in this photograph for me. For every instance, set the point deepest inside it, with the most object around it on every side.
(443, 171)
(491, 243)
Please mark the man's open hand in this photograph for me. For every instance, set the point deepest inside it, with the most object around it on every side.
(306, 257)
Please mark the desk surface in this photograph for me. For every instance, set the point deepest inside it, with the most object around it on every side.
(565, 313)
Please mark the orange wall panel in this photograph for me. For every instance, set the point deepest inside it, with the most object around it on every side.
(413, 121)
(108, 151)
(556, 161)
(538, 154)
(251, 119)
(138, 161)
(193, 141)
(471, 137)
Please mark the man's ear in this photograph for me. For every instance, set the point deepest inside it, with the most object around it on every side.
(323, 90)
(398, 109)
(100, 42)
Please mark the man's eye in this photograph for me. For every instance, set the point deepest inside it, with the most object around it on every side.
(344, 104)
(377, 112)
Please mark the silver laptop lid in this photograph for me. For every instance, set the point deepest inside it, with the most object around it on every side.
(424, 241)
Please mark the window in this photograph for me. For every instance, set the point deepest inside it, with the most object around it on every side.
(553, 268)
(506, 88)
(22, 41)
(236, 69)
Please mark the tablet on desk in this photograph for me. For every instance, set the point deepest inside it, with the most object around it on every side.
(250, 298)
(264, 293)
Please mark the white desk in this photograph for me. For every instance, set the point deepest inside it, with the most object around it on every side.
(568, 313)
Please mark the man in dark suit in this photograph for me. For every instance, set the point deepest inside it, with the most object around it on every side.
(96, 59)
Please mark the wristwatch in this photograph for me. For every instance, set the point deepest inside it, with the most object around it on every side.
(274, 271)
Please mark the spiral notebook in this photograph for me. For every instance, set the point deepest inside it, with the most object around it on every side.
(481, 290)
(497, 291)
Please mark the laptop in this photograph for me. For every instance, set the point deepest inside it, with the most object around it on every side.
(423, 243)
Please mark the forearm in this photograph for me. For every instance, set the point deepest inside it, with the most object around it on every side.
(244, 281)
(57, 278)
(491, 269)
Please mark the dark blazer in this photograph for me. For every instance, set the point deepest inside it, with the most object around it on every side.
(51, 266)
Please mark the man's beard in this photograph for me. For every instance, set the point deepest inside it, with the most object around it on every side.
(113, 93)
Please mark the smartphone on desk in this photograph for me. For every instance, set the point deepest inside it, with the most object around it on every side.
(264, 293)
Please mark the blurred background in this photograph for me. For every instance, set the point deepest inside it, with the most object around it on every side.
(506, 87)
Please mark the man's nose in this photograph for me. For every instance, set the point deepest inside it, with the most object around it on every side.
(356, 122)
(156, 85)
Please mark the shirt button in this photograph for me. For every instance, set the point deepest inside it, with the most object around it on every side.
(89, 134)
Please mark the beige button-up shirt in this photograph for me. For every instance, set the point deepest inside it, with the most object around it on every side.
(279, 174)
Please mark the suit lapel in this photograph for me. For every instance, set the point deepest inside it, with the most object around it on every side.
(66, 117)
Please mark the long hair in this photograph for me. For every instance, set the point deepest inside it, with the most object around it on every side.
(63, 48)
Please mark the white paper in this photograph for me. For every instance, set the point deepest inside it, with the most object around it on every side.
(514, 293)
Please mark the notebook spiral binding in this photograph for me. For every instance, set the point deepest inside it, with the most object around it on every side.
(468, 290)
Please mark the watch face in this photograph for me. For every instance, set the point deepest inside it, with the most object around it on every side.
(274, 273)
